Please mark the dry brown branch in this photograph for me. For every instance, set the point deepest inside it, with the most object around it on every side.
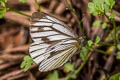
(19, 48)
(9, 57)
(17, 18)
(13, 75)
(6, 65)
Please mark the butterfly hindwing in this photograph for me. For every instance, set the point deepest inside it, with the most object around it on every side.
(53, 41)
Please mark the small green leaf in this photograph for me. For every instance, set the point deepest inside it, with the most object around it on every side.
(110, 3)
(115, 77)
(2, 12)
(90, 43)
(73, 76)
(97, 40)
(106, 8)
(3, 3)
(91, 5)
(92, 10)
(69, 67)
(118, 46)
(104, 25)
(118, 55)
(26, 64)
(27, 58)
(22, 65)
(84, 53)
(100, 7)
(52, 76)
(96, 23)
(23, 1)
(27, 67)
(112, 16)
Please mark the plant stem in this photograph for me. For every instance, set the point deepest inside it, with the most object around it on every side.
(115, 30)
(105, 43)
(75, 16)
(39, 8)
(82, 65)
(79, 69)
(18, 12)
(100, 51)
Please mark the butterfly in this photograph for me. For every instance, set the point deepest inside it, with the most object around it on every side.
(54, 43)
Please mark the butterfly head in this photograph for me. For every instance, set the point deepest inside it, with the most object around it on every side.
(36, 16)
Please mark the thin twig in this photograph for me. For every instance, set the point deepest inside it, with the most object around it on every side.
(69, 6)
(39, 8)
(115, 29)
(18, 12)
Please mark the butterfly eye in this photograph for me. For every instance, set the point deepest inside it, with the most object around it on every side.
(54, 43)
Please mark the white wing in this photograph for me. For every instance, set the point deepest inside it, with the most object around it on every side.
(53, 41)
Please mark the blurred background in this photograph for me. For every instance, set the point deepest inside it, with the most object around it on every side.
(15, 40)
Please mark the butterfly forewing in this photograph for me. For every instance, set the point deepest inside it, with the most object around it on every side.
(54, 42)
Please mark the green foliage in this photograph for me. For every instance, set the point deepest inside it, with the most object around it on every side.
(52, 76)
(69, 67)
(97, 40)
(118, 46)
(115, 77)
(90, 43)
(110, 3)
(118, 55)
(104, 25)
(84, 53)
(23, 1)
(73, 76)
(2, 12)
(96, 23)
(112, 16)
(100, 7)
(26, 64)
(3, 3)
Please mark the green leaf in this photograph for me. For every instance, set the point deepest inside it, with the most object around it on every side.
(69, 67)
(84, 53)
(106, 8)
(100, 7)
(23, 1)
(3, 3)
(104, 25)
(110, 3)
(22, 65)
(52, 76)
(96, 23)
(2, 12)
(90, 43)
(91, 7)
(27, 58)
(118, 55)
(73, 76)
(97, 40)
(115, 77)
(118, 46)
(26, 64)
(112, 16)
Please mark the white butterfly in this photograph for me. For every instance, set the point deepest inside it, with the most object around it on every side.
(54, 43)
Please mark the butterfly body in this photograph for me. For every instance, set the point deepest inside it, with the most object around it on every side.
(54, 43)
